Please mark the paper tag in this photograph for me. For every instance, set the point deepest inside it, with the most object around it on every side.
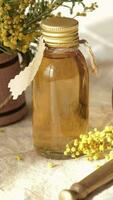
(24, 79)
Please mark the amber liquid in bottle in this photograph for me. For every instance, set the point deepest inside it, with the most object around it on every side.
(60, 100)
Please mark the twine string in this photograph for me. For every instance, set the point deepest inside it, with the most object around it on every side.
(91, 54)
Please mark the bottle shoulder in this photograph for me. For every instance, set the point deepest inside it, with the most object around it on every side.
(62, 66)
(57, 53)
(60, 57)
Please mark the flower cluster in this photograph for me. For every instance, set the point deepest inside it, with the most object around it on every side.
(94, 145)
(12, 25)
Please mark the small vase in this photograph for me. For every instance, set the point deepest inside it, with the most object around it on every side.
(13, 110)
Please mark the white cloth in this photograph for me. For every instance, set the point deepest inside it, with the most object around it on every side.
(31, 179)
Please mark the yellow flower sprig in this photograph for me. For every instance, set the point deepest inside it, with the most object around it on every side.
(94, 145)
(19, 157)
(51, 165)
(12, 24)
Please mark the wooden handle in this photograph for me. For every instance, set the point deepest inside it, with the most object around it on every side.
(95, 180)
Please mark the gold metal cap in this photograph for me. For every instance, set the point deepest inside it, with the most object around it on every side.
(60, 32)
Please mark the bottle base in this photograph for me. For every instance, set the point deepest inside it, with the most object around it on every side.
(56, 155)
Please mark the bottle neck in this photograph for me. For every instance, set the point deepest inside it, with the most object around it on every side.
(60, 51)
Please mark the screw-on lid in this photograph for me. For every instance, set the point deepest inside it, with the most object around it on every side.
(60, 32)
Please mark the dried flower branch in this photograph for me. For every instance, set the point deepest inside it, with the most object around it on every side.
(20, 20)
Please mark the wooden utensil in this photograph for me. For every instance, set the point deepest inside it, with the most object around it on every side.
(89, 184)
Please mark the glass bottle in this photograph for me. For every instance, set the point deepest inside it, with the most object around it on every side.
(60, 89)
